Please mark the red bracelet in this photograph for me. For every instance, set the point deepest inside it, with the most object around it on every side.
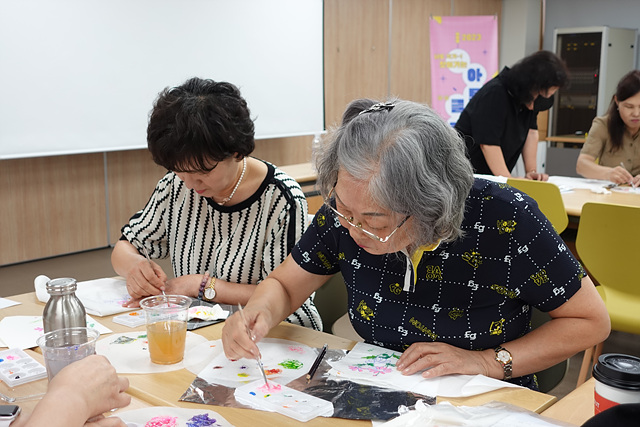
(205, 279)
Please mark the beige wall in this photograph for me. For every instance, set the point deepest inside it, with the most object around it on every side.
(56, 205)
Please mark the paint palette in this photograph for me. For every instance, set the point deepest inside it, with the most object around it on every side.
(284, 400)
(17, 367)
(132, 319)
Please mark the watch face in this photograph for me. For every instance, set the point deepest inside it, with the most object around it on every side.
(9, 411)
(503, 356)
(209, 293)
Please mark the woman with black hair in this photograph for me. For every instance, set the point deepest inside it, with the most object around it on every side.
(500, 121)
(612, 149)
(224, 218)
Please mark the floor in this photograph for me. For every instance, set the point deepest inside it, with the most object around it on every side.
(18, 278)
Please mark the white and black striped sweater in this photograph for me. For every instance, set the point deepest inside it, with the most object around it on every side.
(242, 243)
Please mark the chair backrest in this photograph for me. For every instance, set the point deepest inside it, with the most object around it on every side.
(331, 301)
(608, 243)
(549, 200)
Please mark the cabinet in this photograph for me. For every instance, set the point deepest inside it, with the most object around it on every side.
(597, 57)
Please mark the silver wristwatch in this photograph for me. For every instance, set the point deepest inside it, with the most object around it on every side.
(504, 358)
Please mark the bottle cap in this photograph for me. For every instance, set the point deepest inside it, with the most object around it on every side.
(61, 286)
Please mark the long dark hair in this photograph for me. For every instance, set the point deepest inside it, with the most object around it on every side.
(538, 71)
(628, 86)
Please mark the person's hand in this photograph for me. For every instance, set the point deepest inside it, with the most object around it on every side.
(239, 342)
(620, 175)
(437, 359)
(102, 421)
(145, 279)
(79, 395)
(537, 176)
(182, 285)
(93, 383)
(636, 181)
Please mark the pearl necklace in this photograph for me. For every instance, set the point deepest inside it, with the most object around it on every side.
(244, 168)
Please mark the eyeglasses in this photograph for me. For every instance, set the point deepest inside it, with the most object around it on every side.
(359, 225)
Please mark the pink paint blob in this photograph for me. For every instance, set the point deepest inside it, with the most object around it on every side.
(296, 349)
(270, 387)
(162, 421)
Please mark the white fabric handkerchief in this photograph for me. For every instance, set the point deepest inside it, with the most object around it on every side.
(129, 353)
(23, 331)
(100, 297)
(205, 312)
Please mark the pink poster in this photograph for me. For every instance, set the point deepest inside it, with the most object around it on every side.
(464, 56)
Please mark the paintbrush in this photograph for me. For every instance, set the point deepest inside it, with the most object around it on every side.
(246, 325)
(146, 254)
(630, 182)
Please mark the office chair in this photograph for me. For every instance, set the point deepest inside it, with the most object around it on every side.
(549, 200)
(607, 242)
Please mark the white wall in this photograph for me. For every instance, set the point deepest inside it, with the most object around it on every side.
(520, 31)
(586, 13)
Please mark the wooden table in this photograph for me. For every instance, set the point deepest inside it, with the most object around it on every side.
(574, 201)
(164, 389)
(576, 407)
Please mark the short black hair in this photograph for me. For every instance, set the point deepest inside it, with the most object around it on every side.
(539, 71)
(199, 123)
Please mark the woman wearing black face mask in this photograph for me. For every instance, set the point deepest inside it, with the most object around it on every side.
(500, 121)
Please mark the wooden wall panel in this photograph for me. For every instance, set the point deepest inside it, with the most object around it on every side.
(51, 206)
(285, 151)
(356, 47)
(131, 175)
(410, 51)
(477, 7)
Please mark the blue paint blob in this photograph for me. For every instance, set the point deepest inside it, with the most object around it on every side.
(201, 420)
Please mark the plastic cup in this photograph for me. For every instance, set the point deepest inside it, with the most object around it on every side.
(166, 318)
(65, 346)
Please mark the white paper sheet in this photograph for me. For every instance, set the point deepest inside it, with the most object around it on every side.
(100, 297)
(23, 331)
(129, 353)
(283, 361)
(5, 302)
(370, 364)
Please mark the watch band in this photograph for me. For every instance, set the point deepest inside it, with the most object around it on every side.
(212, 286)
(507, 365)
(5, 422)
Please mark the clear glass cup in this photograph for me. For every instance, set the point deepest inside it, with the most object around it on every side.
(166, 317)
(65, 346)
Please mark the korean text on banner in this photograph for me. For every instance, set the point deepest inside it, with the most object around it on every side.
(464, 56)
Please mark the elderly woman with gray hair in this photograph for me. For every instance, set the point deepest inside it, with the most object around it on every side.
(437, 264)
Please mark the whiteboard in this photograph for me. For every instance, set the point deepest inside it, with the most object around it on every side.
(80, 76)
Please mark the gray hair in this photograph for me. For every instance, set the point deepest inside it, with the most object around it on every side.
(414, 162)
